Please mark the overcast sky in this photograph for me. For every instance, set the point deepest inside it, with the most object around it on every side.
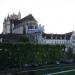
(58, 16)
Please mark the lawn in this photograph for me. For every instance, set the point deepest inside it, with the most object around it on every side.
(53, 69)
(39, 73)
(56, 69)
(67, 73)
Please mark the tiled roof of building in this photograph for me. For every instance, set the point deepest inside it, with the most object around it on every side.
(58, 36)
(68, 35)
(25, 19)
(28, 18)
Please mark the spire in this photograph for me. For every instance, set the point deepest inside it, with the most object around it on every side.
(8, 17)
(13, 14)
(73, 29)
(19, 15)
(5, 18)
(19, 12)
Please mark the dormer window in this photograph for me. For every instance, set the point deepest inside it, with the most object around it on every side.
(51, 37)
(56, 37)
(61, 38)
(65, 38)
(45, 37)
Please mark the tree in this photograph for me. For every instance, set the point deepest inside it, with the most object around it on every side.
(69, 53)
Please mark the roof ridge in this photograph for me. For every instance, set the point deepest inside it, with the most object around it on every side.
(28, 17)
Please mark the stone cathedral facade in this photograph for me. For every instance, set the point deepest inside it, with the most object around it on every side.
(28, 26)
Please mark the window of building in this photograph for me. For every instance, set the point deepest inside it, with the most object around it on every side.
(56, 37)
(30, 27)
(51, 37)
(60, 37)
(73, 37)
(73, 41)
(27, 23)
(36, 27)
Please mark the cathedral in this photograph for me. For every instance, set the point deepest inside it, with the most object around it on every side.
(14, 24)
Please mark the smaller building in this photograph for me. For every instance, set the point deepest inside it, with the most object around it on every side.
(67, 39)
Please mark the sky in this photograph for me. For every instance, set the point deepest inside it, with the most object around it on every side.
(57, 16)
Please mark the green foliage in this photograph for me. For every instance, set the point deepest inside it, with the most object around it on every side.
(14, 38)
(20, 54)
(69, 53)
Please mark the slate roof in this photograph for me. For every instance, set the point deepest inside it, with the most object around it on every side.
(27, 18)
(68, 35)
(58, 36)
